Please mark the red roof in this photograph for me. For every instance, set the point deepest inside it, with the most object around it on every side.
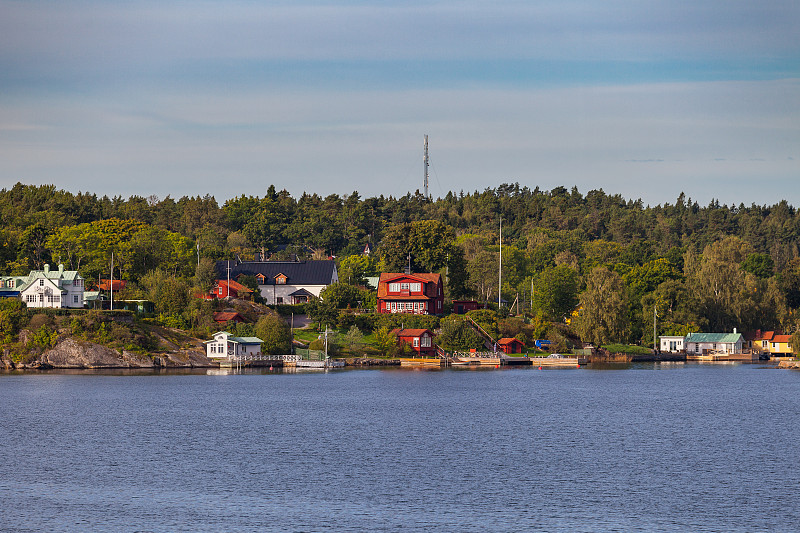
(387, 277)
(508, 340)
(410, 332)
(117, 284)
(234, 285)
(782, 338)
(225, 316)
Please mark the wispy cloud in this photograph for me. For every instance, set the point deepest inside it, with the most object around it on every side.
(186, 98)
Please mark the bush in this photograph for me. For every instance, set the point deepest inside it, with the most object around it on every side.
(406, 320)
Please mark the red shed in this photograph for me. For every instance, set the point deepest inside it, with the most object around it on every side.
(510, 345)
(420, 340)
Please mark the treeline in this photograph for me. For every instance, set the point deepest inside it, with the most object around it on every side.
(711, 267)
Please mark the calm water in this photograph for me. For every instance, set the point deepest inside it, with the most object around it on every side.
(644, 448)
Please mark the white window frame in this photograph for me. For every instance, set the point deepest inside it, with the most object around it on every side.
(416, 342)
(394, 287)
(416, 287)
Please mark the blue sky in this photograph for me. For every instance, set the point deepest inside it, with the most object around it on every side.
(643, 98)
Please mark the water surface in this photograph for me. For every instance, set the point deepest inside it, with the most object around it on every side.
(667, 447)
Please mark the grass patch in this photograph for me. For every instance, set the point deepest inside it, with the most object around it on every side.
(627, 348)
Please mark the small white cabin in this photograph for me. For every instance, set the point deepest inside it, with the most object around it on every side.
(226, 346)
(671, 344)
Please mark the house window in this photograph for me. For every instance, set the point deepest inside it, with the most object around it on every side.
(30, 298)
(75, 298)
(280, 279)
(416, 306)
(41, 283)
(416, 342)
(774, 345)
(404, 286)
(279, 299)
(426, 342)
(416, 287)
(394, 287)
(394, 306)
(764, 344)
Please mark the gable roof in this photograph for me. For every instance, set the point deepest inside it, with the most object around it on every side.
(719, 338)
(411, 332)
(233, 284)
(319, 272)
(782, 338)
(117, 284)
(508, 340)
(240, 340)
(225, 316)
(388, 277)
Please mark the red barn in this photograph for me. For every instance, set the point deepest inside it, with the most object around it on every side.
(419, 294)
(420, 340)
(510, 345)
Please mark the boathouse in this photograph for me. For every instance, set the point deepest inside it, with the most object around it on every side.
(225, 345)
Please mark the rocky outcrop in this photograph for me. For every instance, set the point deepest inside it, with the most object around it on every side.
(789, 364)
(75, 353)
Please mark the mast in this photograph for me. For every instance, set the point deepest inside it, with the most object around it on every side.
(425, 165)
(111, 282)
(500, 266)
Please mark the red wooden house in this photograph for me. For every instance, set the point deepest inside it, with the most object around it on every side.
(510, 345)
(461, 307)
(224, 288)
(420, 340)
(419, 294)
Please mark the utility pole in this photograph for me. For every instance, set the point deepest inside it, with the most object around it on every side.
(111, 283)
(425, 165)
(654, 327)
(228, 289)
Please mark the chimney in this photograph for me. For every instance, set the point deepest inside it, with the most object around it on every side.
(60, 269)
(734, 330)
(46, 268)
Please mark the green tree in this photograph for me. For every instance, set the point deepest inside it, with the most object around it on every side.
(205, 274)
(458, 335)
(556, 292)
(353, 339)
(341, 295)
(602, 317)
(322, 311)
(384, 340)
(274, 333)
(761, 265)
(354, 269)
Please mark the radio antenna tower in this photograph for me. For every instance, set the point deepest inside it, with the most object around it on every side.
(425, 165)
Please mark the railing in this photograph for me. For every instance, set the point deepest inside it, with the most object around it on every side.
(480, 329)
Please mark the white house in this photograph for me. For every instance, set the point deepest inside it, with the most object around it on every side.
(283, 282)
(224, 345)
(671, 343)
(52, 288)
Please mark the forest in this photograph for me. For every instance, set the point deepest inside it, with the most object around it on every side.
(603, 264)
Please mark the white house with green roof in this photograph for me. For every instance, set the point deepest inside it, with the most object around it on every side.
(702, 343)
(52, 288)
(225, 346)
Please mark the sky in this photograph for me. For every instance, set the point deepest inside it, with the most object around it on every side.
(646, 99)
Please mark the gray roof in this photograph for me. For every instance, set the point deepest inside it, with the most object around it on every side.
(296, 272)
(719, 338)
